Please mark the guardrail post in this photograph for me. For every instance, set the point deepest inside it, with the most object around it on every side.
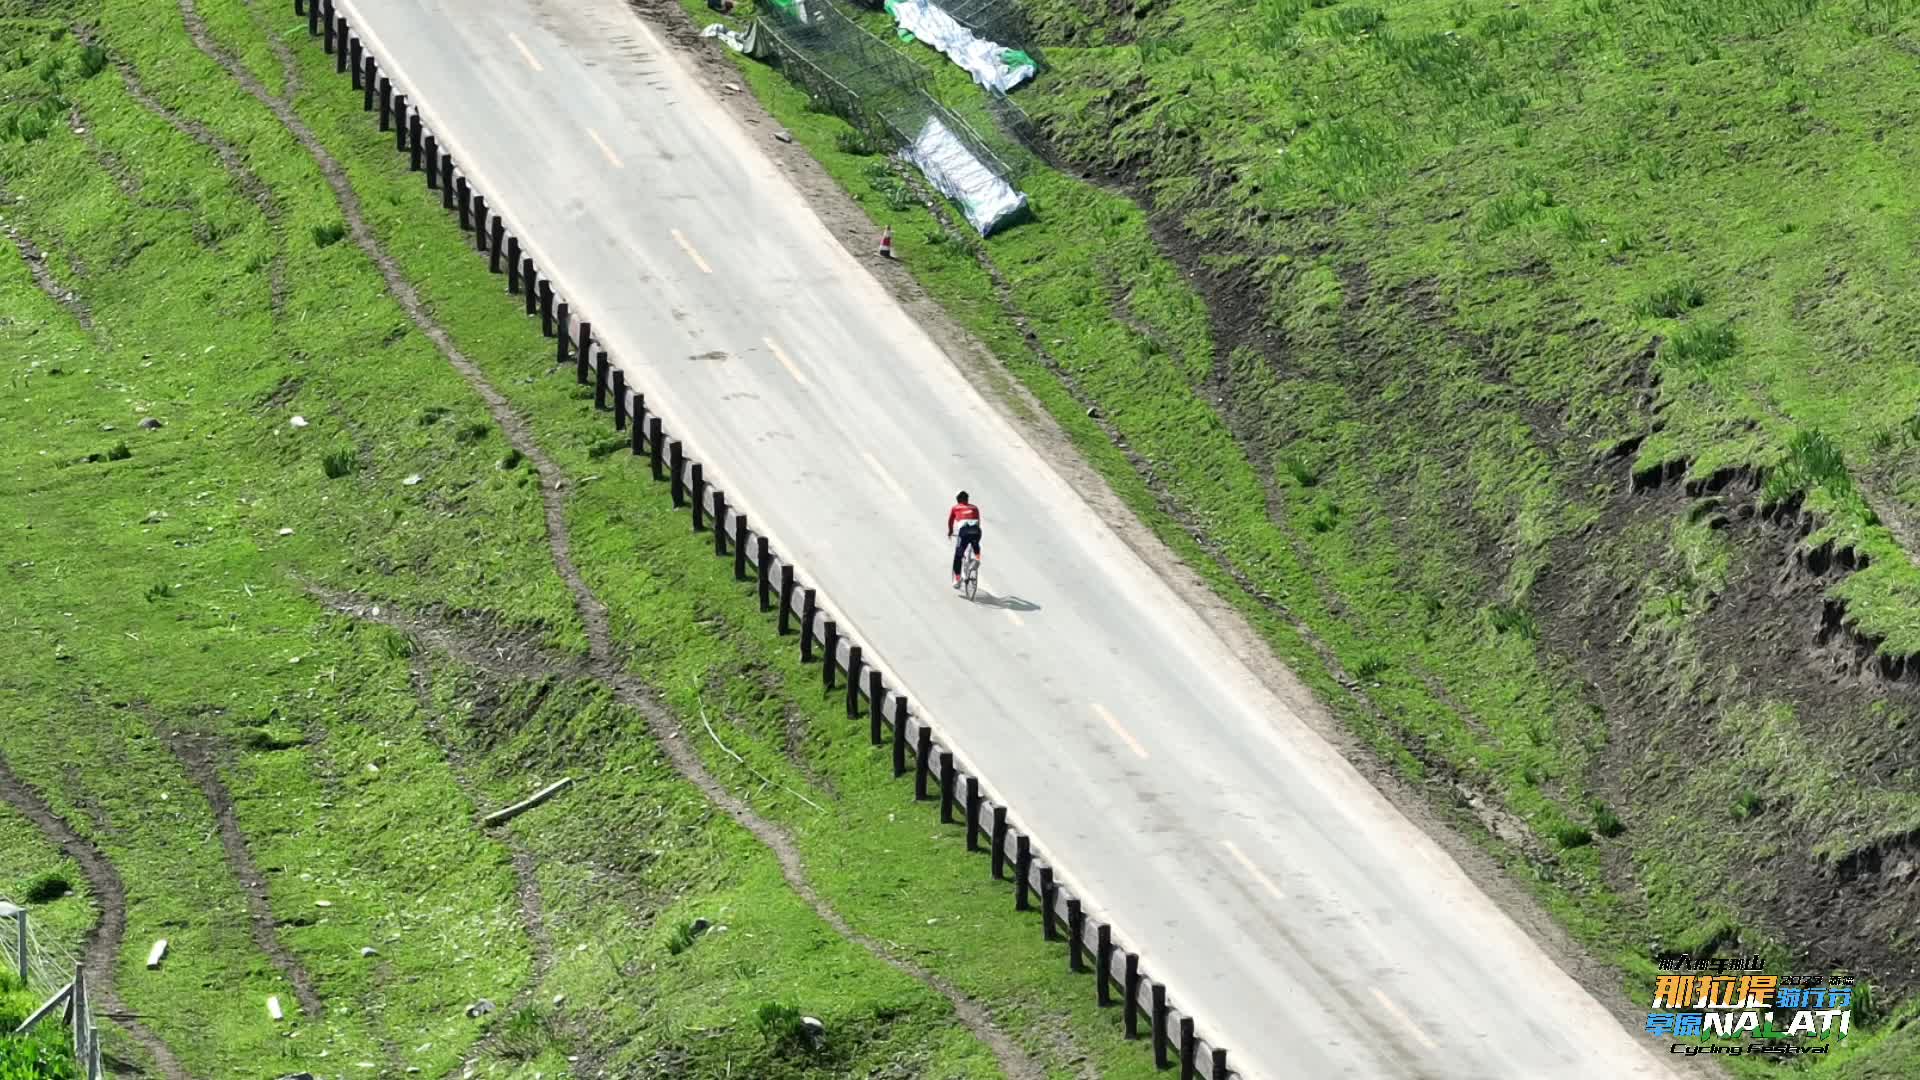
(1220, 1071)
(854, 663)
(369, 69)
(602, 376)
(386, 103)
(413, 143)
(1076, 936)
(1160, 1032)
(999, 842)
(763, 572)
(513, 265)
(922, 761)
(433, 175)
(353, 61)
(808, 605)
(400, 121)
(1103, 965)
(446, 180)
(899, 736)
(1022, 866)
(343, 39)
(1048, 922)
(529, 284)
(973, 813)
(499, 239)
(697, 494)
(1189, 1050)
(479, 222)
(677, 457)
(874, 693)
(326, 41)
(719, 524)
(464, 196)
(313, 19)
(739, 546)
(653, 445)
(1131, 986)
(829, 653)
(546, 307)
(620, 407)
(585, 342)
(562, 342)
(946, 787)
(786, 597)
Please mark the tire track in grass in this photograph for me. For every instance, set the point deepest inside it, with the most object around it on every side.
(197, 754)
(231, 159)
(553, 482)
(104, 940)
(36, 261)
(527, 883)
(675, 744)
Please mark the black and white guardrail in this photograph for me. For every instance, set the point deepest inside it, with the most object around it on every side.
(1090, 942)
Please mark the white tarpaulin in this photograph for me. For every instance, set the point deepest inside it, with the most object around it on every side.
(987, 200)
(993, 66)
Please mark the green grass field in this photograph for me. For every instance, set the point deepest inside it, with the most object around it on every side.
(1382, 310)
(286, 785)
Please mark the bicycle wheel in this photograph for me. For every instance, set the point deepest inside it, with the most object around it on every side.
(971, 581)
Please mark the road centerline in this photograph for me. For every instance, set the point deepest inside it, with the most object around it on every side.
(612, 158)
(681, 239)
(1253, 871)
(525, 53)
(793, 369)
(1125, 736)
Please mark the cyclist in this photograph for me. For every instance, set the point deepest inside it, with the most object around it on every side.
(966, 517)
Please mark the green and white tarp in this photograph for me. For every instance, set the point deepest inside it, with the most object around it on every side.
(993, 66)
(988, 201)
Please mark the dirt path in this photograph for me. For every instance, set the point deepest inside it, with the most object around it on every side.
(198, 755)
(103, 942)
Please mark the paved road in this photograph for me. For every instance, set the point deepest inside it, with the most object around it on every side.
(1310, 927)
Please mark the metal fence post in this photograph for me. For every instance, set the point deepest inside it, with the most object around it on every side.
(808, 601)
(529, 279)
(697, 494)
(719, 524)
(999, 842)
(740, 549)
(829, 653)
(874, 694)
(585, 342)
(676, 460)
(479, 222)
(946, 787)
(899, 736)
(1022, 866)
(1076, 935)
(653, 446)
(1131, 1002)
(786, 597)
(1103, 964)
(620, 404)
(513, 265)
(1189, 1048)
(763, 562)
(1160, 1032)
(1047, 895)
(854, 663)
(973, 813)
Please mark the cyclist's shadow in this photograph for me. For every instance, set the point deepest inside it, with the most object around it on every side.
(1005, 603)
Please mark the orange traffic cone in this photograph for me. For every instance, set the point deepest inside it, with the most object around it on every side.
(886, 242)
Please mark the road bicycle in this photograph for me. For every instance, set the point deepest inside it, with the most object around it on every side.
(969, 573)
